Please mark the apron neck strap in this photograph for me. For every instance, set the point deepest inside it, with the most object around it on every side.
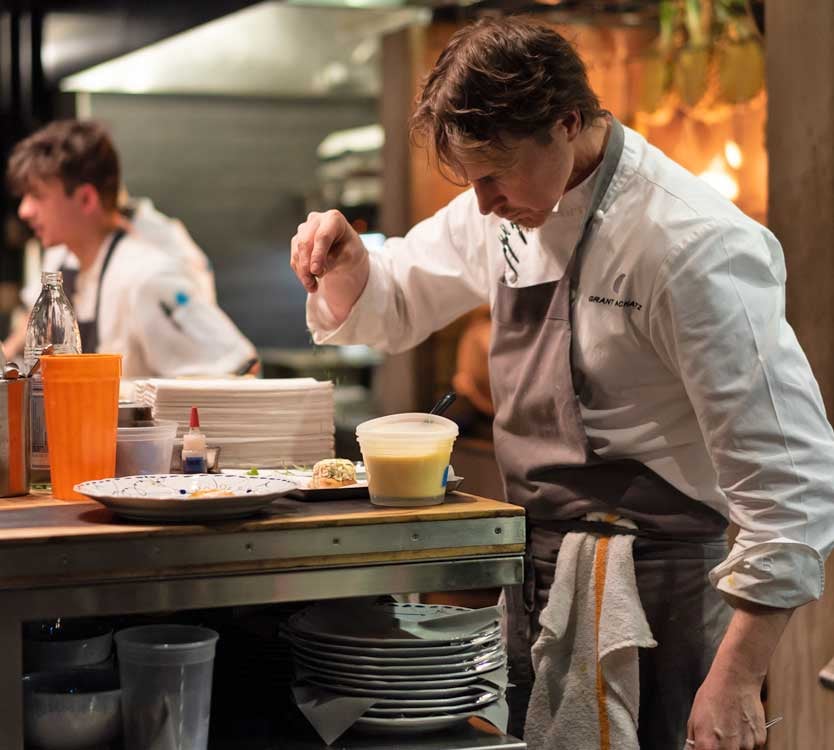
(607, 168)
(117, 236)
(89, 328)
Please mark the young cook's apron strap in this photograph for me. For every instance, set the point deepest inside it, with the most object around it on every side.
(89, 328)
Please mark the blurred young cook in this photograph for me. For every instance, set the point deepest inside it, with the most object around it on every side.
(130, 296)
(647, 389)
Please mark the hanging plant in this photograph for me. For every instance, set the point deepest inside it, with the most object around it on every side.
(696, 72)
(656, 97)
(693, 66)
(739, 54)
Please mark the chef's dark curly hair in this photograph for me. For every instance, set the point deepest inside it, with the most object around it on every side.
(498, 80)
(74, 151)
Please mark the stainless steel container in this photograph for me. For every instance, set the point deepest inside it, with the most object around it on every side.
(15, 448)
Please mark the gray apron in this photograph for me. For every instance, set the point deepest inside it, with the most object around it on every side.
(549, 468)
(89, 328)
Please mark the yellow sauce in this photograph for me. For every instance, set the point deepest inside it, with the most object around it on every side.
(410, 476)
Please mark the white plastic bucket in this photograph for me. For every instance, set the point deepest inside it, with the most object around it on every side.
(145, 448)
(407, 457)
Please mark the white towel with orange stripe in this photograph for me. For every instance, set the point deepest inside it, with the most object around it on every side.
(586, 694)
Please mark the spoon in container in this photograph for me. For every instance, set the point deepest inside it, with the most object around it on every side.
(444, 403)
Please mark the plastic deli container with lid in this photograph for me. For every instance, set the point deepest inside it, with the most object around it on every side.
(407, 458)
(145, 448)
(166, 675)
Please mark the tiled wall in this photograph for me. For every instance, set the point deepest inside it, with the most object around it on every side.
(235, 171)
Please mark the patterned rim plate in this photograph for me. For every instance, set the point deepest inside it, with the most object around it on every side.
(378, 624)
(170, 497)
(435, 665)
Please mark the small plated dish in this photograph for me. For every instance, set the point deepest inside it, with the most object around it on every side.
(303, 491)
(186, 497)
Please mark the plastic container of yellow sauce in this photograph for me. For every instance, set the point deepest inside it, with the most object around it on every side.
(407, 458)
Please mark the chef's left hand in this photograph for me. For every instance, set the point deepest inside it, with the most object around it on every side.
(727, 714)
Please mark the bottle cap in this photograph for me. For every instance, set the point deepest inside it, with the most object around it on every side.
(194, 423)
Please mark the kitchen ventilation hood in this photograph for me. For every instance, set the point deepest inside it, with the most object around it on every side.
(271, 49)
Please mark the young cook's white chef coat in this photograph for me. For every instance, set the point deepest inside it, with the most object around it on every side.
(686, 361)
(151, 312)
(170, 235)
(151, 225)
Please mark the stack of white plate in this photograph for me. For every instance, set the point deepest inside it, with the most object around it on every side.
(262, 423)
(422, 683)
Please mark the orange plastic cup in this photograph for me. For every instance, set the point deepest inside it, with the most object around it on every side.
(81, 404)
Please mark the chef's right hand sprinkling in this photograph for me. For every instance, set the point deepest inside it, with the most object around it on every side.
(323, 243)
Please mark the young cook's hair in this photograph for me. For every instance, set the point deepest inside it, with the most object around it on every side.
(74, 151)
(496, 81)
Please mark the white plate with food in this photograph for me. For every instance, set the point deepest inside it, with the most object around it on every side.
(186, 497)
(329, 479)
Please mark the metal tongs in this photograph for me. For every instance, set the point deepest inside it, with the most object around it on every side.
(13, 371)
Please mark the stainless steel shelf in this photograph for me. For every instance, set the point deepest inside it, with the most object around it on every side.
(66, 560)
(467, 737)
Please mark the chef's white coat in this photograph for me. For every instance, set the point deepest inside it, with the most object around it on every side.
(680, 338)
(161, 231)
(152, 314)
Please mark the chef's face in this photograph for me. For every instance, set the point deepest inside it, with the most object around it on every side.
(522, 184)
(54, 216)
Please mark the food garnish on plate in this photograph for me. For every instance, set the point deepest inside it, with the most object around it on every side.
(210, 492)
(333, 472)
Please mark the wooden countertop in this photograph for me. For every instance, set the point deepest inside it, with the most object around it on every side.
(39, 516)
(44, 540)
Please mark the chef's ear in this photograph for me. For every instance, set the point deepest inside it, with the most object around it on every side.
(572, 123)
(87, 197)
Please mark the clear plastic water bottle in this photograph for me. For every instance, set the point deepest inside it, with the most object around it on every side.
(52, 321)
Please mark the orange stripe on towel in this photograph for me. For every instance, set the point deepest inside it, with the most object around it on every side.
(600, 564)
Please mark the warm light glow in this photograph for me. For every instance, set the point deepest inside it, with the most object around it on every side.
(717, 176)
(732, 153)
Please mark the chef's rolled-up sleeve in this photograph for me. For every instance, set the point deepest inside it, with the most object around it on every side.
(182, 333)
(718, 319)
(417, 284)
